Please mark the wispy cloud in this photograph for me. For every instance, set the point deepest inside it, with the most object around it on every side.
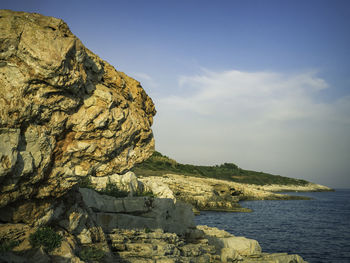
(147, 81)
(258, 94)
(262, 120)
(143, 76)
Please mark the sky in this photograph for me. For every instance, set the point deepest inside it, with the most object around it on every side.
(264, 84)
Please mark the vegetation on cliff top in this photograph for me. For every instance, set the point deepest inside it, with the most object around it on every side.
(158, 165)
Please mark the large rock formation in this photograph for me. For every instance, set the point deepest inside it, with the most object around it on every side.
(139, 212)
(64, 114)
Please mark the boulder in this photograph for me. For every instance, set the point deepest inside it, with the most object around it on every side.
(243, 245)
(139, 212)
(110, 204)
(171, 217)
(229, 255)
(222, 239)
(126, 182)
(64, 114)
(157, 187)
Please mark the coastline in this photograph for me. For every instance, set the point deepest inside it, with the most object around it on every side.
(289, 226)
(208, 194)
(311, 187)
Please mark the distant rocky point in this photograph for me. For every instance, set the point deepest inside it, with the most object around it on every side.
(218, 187)
(71, 128)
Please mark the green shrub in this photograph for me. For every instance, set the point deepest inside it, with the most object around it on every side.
(159, 165)
(148, 230)
(47, 238)
(85, 182)
(91, 254)
(8, 245)
(112, 190)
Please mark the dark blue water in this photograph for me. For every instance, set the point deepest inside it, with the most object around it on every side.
(318, 229)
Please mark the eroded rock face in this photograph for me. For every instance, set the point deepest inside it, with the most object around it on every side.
(138, 212)
(64, 114)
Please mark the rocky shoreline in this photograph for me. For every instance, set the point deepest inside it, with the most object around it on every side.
(132, 229)
(297, 188)
(219, 195)
(67, 116)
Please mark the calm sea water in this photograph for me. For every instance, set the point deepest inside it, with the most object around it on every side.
(318, 229)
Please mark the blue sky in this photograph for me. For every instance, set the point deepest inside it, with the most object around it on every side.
(264, 84)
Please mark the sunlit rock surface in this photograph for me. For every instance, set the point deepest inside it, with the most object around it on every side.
(64, 114)
(209, 193)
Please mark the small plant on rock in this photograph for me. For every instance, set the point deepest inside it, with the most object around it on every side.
(7, 245)
(92, 254)
(47, 238)
(85, 182)
(145, 193)
(148, 230)
(113, 190)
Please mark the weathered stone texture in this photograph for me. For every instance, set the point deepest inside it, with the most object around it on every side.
(209, 193)
(202, 193)
(64, 112)
(139, 212)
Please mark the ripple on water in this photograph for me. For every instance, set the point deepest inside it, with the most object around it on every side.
(318, 229)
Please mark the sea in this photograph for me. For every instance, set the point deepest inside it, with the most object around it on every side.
(318, 229)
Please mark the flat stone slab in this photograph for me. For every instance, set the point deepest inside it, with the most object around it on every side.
(110, 204)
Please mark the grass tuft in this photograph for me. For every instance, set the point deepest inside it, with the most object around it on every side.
(91, 254)
(113, 190)
(47, 238)
(85, 182)
(7, 245)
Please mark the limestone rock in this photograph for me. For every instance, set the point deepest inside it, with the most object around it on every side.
(110, 204)
(138, 212)
(157, 187)
(222, 239)
(158, 246)
(310, 187)
(274, 257)
(64, 114)
(126, 182)
(229, 255)
(241, 249)
(209, 193)
(202, 193)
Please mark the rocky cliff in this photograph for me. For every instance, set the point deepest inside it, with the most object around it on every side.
(64, 114)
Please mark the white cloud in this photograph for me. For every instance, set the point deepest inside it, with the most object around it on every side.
(142, 76)
(148, 82)
(261, 93)
(261, 120)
